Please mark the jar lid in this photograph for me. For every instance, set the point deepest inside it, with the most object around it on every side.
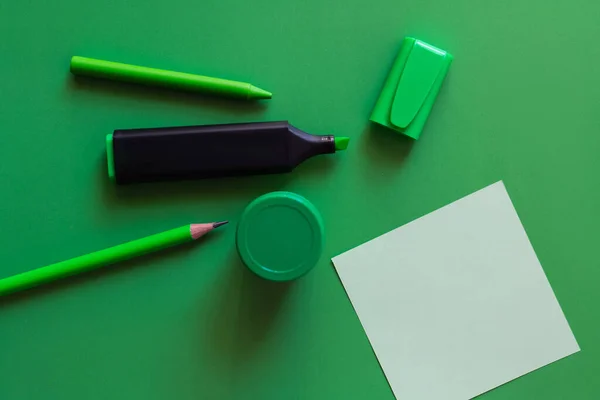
(280, 236)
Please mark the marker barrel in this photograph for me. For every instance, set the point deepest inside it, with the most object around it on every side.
(195, 152)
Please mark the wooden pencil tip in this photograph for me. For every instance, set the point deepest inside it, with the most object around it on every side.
(199, 230)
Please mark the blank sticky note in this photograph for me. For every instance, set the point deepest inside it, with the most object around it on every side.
(456, 303)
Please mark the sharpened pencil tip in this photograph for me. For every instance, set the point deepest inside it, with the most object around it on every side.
(218, 224)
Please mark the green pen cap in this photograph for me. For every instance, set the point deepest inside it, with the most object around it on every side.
(411, 87)
(280, 236)
(110, 157)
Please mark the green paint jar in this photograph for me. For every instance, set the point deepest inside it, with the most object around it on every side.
(280, 236)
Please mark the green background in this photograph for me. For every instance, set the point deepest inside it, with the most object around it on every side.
(521, 103)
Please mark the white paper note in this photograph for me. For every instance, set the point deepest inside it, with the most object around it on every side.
(456, 303)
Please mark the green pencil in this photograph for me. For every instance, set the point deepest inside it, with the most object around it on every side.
(171, 79)
(105, 257)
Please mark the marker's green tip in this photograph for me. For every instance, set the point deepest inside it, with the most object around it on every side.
(341, 143)
(258, 93)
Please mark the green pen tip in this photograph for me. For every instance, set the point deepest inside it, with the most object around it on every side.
(258, 93)
(341, 143)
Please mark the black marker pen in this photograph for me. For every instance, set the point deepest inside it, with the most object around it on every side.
(208, 151)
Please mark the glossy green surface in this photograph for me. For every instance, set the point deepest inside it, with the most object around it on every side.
(411, 87)
(519, 103)
(280, 236)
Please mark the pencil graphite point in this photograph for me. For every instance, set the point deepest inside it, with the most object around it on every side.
(218, 224)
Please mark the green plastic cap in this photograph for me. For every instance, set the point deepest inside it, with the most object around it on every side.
(110, 157)
(411, 87)
(280, 236)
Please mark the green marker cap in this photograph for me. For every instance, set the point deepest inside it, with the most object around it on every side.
(411, 87)
(280, 236)
(110, 157)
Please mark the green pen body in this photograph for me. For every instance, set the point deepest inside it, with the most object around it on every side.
(95, 260)
(163, 78)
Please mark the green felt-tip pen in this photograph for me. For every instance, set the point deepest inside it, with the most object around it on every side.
(163, 78)
(105, 257)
